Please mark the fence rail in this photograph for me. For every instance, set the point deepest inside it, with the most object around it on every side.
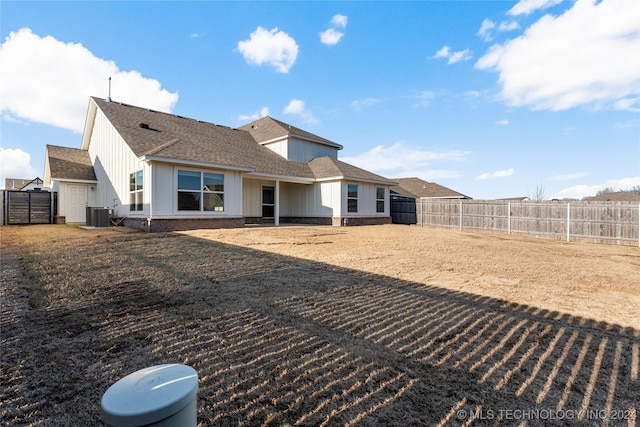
(602, 222)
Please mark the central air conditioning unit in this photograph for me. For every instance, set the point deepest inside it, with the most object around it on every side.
(98, 216)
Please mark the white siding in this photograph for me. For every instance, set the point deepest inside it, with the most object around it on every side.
(252, 197)
(296, 200)
(113, 161)
(164, 191)
(279, 147)
(366, 200)
(301, 151)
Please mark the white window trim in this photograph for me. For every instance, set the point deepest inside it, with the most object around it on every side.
(198, 213)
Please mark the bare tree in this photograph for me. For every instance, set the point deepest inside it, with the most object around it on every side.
(635, 190)
(540, 194)
(606, 191)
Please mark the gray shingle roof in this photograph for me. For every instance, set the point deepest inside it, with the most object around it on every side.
(162, 135)
(421, 188)
(166, 136)
(268, 128)
(327, 167)
(70, 163)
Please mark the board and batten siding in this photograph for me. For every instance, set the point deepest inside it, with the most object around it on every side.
(164, 192)
(301, 200)
(296, 200)
(301, 151)
(366, 200)
(113, 161)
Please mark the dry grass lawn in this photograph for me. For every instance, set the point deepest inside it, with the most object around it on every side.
(383, 325)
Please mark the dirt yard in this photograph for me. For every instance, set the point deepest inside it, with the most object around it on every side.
(382, 325)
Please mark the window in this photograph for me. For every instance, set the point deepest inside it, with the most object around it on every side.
(380, 199)
(352, 198)
(135, 191)
(200, 191)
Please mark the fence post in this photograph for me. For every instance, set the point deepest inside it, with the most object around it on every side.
(508, 217)
(460, 215)
(568, 221)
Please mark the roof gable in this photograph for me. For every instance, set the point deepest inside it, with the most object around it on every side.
(269, 129)
(69, 164)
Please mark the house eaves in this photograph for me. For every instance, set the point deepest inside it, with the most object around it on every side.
(286, 178)
(193, 163)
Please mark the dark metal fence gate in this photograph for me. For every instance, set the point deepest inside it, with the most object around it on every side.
(29, 207)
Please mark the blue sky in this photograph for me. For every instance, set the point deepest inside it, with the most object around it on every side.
(490, 98)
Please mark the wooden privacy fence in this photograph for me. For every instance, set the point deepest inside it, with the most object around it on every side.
(28, 207)
(602, 222)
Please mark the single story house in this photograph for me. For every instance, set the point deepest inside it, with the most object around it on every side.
(159, 172)
(19, 184)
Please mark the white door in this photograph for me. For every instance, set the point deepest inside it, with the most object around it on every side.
(77, 203)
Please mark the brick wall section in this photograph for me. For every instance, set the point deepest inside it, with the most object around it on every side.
(161, 225)
(348, 222)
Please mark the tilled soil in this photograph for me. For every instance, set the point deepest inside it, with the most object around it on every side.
(385, 325)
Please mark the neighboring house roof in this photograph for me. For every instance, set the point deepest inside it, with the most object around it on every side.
(69, 164)
(158, 136)
(515, 199)
(20, 184)
(269, 129)
(619, 196)
(421, 188)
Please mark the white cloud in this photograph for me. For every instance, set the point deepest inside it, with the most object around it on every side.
(508, 26)
(445, 52)
(525, 7)
(339, 21)
(400, 160)
(485, 29)
(359, 104)
(496, 174)
(580, 191)
(48, 81)
(15, 163)
(297, 107)
(503, 122)
(588, 55)
(568, 176)
(272, 47)
(264, 112)
(463, 55)
(333, 35)
(488, 25)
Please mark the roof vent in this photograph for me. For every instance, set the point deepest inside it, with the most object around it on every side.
(144, 125)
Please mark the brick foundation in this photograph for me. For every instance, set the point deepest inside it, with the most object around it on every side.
(160, 225)
(354, 221)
